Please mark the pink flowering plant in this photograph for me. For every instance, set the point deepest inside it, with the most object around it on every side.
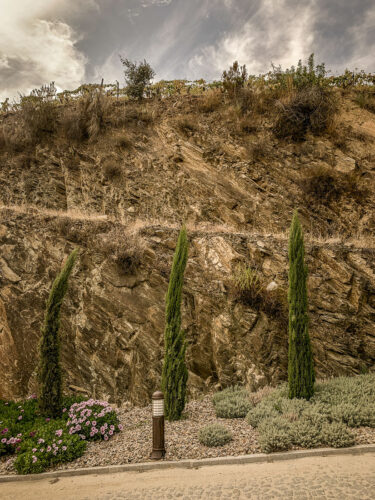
(50, 445)
(17, 420)
(93, 420)
(39, 443)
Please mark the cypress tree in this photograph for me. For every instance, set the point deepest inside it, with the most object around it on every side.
(300, 362)
(174, 375)
(50, 379)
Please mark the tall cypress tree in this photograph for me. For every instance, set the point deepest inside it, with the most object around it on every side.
(174, 375)
(50, 379)
(300, 362)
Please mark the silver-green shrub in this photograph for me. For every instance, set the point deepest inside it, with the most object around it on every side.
(229, 392)
(275, 435)
(261, 411)
(337, 435)
(232, 402)
(306, 434)
(214, 435)
(233, 407)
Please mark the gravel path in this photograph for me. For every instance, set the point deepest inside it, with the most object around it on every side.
(134, 443)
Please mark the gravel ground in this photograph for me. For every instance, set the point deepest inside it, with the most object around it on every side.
(134, 443)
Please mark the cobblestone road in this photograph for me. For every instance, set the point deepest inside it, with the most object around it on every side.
(341, 477)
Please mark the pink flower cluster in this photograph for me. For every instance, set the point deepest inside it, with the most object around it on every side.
(88, 419)
(53, 448)
(10, 440)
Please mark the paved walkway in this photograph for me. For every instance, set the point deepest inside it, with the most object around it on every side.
(341, 477)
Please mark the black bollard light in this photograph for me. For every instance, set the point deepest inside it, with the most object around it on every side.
(158, 446)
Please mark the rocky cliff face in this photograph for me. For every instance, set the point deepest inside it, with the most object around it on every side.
(236, 194)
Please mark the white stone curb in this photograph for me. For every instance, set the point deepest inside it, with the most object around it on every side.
(191, 464)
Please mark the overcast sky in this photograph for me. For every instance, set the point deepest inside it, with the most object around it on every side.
(76, 41)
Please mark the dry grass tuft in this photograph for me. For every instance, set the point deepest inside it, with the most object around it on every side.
(186, 125)
(125, 247)
(86, 118)
(111, 170)
(310, 109)
(210, 101)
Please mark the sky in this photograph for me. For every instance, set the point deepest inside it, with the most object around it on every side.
(76, 41)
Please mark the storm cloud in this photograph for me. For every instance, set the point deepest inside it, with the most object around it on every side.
(76, 41)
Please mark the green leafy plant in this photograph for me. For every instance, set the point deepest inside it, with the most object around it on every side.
(214, 435)
(50, 444)
(174, 375)
(40, 442)
(137, 77)
(50, 379)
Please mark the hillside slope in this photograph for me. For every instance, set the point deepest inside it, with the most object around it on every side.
(121, 199)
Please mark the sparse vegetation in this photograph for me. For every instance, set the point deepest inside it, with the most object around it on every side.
(366, 99)
(234, 79)
(210, 101)
(186, 125)
(250, 289)
(39, 112)
(324, 185)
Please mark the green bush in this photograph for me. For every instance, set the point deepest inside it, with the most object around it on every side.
(275, 434)
(337, 435)
(51, 444)
(234, 79)
(214, 435)
(300, 77)
(40, 442)
(137, 77)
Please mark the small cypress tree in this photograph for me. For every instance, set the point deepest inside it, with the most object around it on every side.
(300, 362)
(174, 375)
(50, 379)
